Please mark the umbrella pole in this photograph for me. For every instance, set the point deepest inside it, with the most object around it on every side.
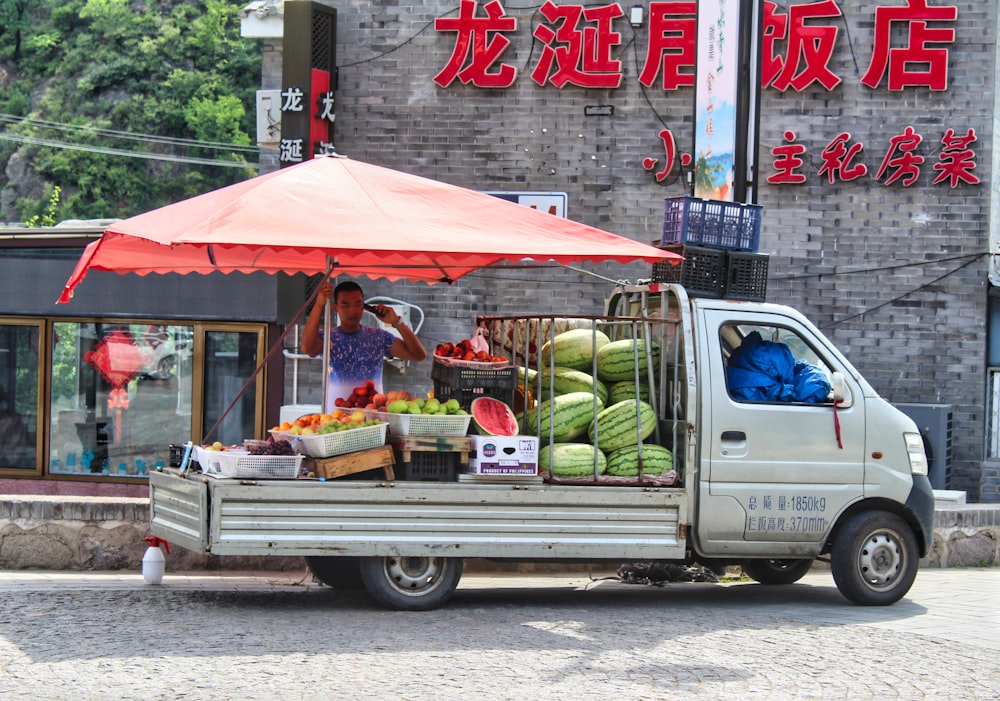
(327, 318)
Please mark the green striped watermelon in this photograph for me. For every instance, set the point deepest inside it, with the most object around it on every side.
(567, 380)
(571, 460)
(624, 462)
(573, 349)
(620, 391)
(571, 415)
(616, 360)
(616, 426)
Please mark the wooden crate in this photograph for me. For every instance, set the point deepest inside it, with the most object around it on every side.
(352, 463)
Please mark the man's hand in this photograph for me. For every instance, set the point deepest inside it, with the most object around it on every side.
(325, 293)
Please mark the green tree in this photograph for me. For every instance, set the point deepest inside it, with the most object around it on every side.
(111, 68)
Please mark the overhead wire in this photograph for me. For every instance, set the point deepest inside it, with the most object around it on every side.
(98, 131)
(147, 155)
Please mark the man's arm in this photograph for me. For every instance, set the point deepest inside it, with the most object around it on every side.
(409, 346)
(312, 343)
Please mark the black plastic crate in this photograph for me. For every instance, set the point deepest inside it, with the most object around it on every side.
(466, 384)
(746, 278)
(713, 223)
(702, 272)
(428, 466)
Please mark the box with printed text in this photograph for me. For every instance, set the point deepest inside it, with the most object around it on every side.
(503, 455)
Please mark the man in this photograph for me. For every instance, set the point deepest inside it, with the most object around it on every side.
(356, 352)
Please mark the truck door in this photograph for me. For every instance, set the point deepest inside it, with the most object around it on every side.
(774, 468)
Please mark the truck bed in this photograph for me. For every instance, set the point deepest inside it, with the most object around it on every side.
(417, 519)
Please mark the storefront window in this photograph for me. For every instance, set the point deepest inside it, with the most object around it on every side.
(230, 360)
(19, 396)
(121, 393)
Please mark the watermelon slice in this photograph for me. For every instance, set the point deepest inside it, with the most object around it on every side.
(492, 417)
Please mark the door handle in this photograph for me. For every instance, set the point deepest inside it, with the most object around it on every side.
(734, 435)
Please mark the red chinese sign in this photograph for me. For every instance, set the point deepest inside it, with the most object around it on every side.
(910, 45)
(901, 162)
(910, 49)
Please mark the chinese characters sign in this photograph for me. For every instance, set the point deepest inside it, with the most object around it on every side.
(308, 78)
(910, 44)
(576, 45)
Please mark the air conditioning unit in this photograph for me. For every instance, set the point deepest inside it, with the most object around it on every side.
(934, 423)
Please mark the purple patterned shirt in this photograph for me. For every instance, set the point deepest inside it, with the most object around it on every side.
(354, 359)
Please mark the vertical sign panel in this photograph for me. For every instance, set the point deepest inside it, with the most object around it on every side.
(716, 73)
(308, 81)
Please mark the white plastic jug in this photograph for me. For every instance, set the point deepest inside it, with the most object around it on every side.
(153, 562)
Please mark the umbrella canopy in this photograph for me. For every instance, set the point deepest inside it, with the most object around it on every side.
(368, 220)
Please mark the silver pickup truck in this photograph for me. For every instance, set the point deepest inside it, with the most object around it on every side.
(768, 484)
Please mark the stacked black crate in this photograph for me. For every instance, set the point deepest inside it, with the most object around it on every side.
(719, 242)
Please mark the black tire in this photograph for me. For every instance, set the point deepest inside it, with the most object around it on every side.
(340, 573)
(874, 558)
(411, 583)
(776, 571)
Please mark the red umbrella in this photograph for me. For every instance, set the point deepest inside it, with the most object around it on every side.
(366, 219)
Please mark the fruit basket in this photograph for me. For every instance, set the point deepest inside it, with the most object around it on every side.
(456, 363)
(328, 445)
(425, 424)
(239, 463)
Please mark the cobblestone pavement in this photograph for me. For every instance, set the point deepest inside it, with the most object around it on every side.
(84, 636)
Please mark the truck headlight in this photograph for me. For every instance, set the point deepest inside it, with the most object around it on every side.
(915, 452)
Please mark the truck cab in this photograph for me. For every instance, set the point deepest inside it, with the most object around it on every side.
(785, 465)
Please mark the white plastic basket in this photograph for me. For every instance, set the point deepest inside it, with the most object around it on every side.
(238, 463)
(426, 424)
(327, 445)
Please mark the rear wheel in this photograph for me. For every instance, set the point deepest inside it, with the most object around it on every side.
(411, 583)
(776, 571)
(874, 558)
(340, 573)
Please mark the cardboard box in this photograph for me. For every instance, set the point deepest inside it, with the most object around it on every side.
(503, 455)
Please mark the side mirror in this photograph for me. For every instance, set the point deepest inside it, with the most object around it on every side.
(838, 384)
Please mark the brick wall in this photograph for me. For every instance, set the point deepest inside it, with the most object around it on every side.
(889, 272)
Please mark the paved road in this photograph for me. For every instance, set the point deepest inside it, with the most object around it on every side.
(83, 637)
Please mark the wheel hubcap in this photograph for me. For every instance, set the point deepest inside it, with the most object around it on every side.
(881, 560)
(412, 574)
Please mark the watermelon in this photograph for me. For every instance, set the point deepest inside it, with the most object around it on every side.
(616, 425)
(491, 417)
(616, 360)
(571, 460)
(567, 380)
(573, 349)
(571, 415)
(624, 462)
(620, 391)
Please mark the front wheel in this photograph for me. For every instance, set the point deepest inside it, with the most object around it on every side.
(411, 583)
(874, 558)
(776, 571)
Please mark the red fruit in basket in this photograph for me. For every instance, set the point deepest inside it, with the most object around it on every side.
(379, 398)
(339, 401)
